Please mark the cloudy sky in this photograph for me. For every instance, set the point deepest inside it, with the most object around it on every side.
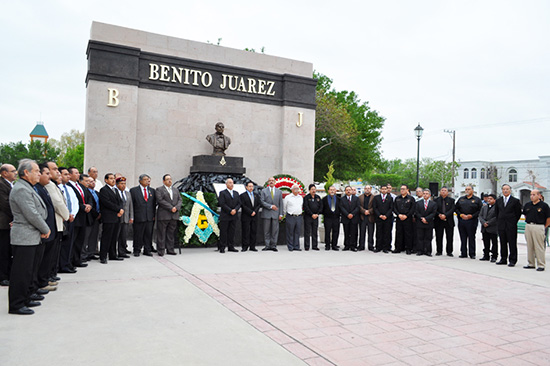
(478, 67)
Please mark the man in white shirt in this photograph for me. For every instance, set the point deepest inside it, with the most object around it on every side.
(92, 172)
(293, 204)
(65, 265)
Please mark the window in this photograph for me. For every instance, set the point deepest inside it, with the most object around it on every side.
(513, 175)
(482, 174)
(474, 173)
(466, 173)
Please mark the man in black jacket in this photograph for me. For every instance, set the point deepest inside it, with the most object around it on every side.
(444, 222)
(250, 203)
(508, 211)
(467, 209)
(110, 206)
(145, 205)
(81, 219)
(425, 213)
(349, 210)
(7, 177)
(403, 206)
(382, 205)
(230, 202)
(313, 207)
(489, 230)
(331, 217)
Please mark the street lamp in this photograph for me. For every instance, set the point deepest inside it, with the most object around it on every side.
(418, 133)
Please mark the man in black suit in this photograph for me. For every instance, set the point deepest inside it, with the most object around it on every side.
(403, 206)
(331, 215)
(110, 205)
(145, 204)
(349, 209)
(444, 222)
(230, 202)
(366, 226)
(382, 205)
(313, 207)
(467, 209)
(81, 220)
(508, 211)
(7, 177)
(91, 217)
(425, 214)
(250, 203)
(489, 229)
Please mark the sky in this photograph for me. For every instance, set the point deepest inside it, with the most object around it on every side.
(480, 68)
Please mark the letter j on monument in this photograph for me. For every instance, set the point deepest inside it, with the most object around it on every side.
(152, 99)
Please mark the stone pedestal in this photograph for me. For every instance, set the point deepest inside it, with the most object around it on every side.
(217, 164)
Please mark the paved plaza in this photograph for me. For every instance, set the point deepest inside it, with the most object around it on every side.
(288, 308)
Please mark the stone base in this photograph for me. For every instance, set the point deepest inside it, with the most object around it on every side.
(217, 164)
(203, 181)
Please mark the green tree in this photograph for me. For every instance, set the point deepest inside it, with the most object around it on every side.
(68, 142)
(347, 132)
(399, 172)
(74, 156)
(13, 152)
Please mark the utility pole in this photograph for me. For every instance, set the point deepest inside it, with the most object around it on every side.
(452, 133)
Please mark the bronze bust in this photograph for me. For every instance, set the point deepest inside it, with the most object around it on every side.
(218, 140)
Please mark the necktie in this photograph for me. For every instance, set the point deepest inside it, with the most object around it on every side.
(332, 203)
(81, 193)
(271, 193)
(251, 197)
(505, 201)
(123, 196)
(69, 205)
(383, 198)
(145, 194)
(425, 205)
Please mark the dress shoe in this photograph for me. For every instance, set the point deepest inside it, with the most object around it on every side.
(22, 311)
(290, 249)
(529, 267)
(345, 249)
(171, 253)
(275, 249)
(315, 248)
(336, 248)
(4, 283)
(377, 250)
(307, 248)
(493, 260)
(353, 249)
(244, 249)
(438, 254)
(136, 254)
(396, 251)
(473, 257)
(232, 250)
(511, 264)
(540, 269)
(253, 249)
(408, 252)
(36, 297)
(327, 247)
(501, 263)
(103, 261)
(147, 254)
(124, 256)
(67, 270)
(419, 253)
(81, 265)
(386, 251)
(371, 249)
(116, 259)
(49, 288)
(298, 249)
(153, 250)
(450, 255)
(360, 249)
(484, 258)
(265, 249)
(428, 254)
(128, 251)
(55, 278)
(92, 257)
(462, 256)
(222, 250)
(33, 304)
(53, 283)
(42, 292)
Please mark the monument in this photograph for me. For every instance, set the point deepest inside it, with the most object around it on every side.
(151, 100)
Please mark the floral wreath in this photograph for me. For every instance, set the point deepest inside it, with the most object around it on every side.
(285, 181)
(199, 223)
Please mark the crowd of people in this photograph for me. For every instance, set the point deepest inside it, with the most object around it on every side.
(54, 220)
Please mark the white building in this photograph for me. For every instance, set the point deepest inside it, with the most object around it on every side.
(489, 176)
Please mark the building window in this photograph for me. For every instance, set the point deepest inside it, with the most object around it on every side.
(474, 173)
(482, 174)
(513, 175)
(466, 173)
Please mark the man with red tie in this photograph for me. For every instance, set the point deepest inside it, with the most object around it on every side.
(144, 201)
(80, 221)
(425, 215)
(349, 210)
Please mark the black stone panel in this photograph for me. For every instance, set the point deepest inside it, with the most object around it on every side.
(211, 164)
(128, 65)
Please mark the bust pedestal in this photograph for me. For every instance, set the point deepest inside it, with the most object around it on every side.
(217, 164)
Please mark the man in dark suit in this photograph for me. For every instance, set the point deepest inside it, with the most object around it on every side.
(444, 222)
(425, 213)
(508, 211)
(110, 206)
(489, 229)
(126, 219)
(145, 204)
(81, 220)
(250, 204)
(467, 209)
(404, 207)
(313, 207)
(7, 173)
(169, 205)
(382, 205)
(367, 219)
(91, 217)
(331, 216)
(230, 202)
(349, 210)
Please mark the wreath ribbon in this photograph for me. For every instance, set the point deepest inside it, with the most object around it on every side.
(201, 203)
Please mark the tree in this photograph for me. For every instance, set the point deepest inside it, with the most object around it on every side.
(347, 132)
(74, 156)
(13, 152)
(68, 140)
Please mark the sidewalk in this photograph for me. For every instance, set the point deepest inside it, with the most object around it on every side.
(288, 308)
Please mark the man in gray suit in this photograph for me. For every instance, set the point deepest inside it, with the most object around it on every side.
(169, 205)
(272, 213)
(126, 219)
(29, 227)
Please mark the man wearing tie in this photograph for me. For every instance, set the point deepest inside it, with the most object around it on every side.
(349, 209)
(403, 207)
(126, 219)
(508, 211)
(110, 205)
(145, 204)
(425, 214)
(169, 205)
(230, 202)
(272, 213)
(382, 205)
(65, 265)
(7, 173)
(331, 215)
(444, 222)
(92, 231)
(367, 219)
(250, 204)
(81, 219)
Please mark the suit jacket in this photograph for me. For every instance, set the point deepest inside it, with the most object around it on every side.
(5, 211)
(82, 218)
(427, 213)
(93, 214)
(489, 216)
(144, 210)
(248, 208)
(327, 210)
(267, 202)
(50, 218)
(369, 208)
(127, 206)
(59, 205)
(347, 207)
(165, 204)
(508, 216)
(229, 202)
(445, 206)
(382, 207)
(313, 205)
(110, 205)
(29, 215)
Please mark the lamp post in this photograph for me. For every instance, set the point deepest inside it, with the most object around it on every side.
(418, 133)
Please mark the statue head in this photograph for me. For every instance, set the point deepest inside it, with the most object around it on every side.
(220, 128)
